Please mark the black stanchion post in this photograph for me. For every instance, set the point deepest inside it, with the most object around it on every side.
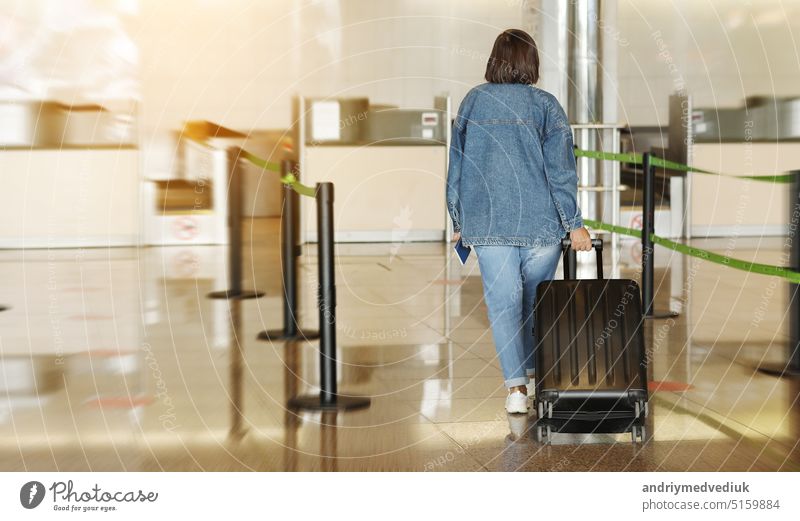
(327, 293)
(234, 232)
(328, 398)
(791, 367)
(648, 250)
(289, 255)
(648, 215)
(290, 251)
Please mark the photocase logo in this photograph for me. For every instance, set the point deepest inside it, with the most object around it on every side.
(31, 494)
(67, 497)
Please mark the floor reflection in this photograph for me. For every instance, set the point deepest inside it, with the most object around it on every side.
(238, 424)
(133, 368)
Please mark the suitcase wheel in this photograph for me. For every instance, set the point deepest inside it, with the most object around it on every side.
(543, 406)
(543, 433)
(641, 410)
(637, 433)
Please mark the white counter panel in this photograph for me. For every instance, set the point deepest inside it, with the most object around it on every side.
(381, 193)
(723, 206)
(69, 198)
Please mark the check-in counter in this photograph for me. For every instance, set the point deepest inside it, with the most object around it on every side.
(725, 206)
(189, 205)
(762, 137)
(388, 167)
(70, 174)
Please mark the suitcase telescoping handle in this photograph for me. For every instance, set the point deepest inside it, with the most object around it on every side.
(571, 259)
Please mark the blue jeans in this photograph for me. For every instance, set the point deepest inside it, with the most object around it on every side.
(510, 275)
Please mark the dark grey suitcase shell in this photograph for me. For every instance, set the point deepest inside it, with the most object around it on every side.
(591, 368)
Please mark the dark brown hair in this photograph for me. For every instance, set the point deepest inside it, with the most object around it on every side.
(514, 59)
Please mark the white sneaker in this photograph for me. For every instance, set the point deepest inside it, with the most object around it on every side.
(531, 388)
(516, 402)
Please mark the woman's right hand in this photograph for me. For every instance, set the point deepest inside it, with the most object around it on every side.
(581, 240)
(456, 236)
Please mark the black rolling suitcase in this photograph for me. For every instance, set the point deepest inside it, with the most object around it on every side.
(591, 369)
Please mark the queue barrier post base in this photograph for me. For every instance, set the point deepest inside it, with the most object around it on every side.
(235, 295)
(781, 370)
(317, 402)
(662, 315)
(280, 334)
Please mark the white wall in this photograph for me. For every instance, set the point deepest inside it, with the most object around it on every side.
(239, 62)
(721, 50)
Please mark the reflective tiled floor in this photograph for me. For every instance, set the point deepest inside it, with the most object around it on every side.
(116, 360)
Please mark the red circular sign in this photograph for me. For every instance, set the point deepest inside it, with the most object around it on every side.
(186, 228)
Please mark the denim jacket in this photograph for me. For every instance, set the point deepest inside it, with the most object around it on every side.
(511, 178)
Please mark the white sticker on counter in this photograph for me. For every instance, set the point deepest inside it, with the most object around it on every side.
(325, 121)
